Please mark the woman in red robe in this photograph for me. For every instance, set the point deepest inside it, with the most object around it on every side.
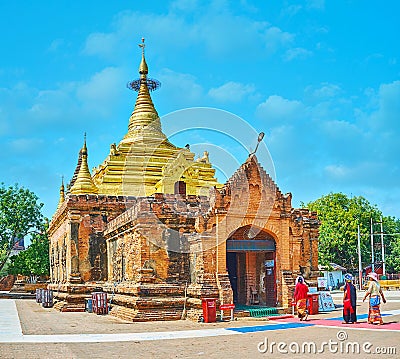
(300, 297)
(349, 301)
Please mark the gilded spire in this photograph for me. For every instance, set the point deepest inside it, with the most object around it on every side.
(62, 193)
(144, 115)
(84, 183)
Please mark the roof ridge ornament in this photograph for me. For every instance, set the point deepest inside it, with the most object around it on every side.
(259, 139)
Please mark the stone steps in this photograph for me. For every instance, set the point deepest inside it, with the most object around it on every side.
(135, 315)
(64, 306)
(147, 303)
(147, 290)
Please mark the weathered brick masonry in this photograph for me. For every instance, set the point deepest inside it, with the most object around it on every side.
(144, 229)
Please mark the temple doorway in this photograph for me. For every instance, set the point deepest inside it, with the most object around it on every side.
(252, 268)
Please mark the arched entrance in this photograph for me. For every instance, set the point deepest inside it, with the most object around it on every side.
(250, 260)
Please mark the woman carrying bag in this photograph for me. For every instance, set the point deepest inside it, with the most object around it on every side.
(375, 293)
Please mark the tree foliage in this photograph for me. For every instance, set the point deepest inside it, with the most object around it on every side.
(392, 225)
(20, 215)
(34, 260)
(340, 216)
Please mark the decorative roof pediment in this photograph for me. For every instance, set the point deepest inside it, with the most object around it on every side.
(177, 167)
(251, 175)
(249, 195)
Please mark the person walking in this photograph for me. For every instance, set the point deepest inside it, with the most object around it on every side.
(300, 298)
(374, 292)
(349, 301)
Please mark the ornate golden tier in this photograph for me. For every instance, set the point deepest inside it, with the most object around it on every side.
(145, 162)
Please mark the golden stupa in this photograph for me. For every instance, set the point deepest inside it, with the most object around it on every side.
(83, 183)
(62, 194)
(145, 162)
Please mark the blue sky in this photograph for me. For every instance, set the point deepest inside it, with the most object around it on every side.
(320, 78)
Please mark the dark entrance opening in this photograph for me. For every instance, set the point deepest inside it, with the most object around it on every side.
(270, 279)
(251, 268)
(231, 264)
(180, 188)
(236, 263)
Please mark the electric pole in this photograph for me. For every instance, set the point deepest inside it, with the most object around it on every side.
(359, 258)
(372, 248)
(383, 249)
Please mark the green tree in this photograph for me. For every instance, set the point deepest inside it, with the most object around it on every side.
(17, 264)
(34, 260)
(339, 216)
(392, 244)
(20, 215)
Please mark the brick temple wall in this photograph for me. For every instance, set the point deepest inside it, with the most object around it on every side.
(77, 246)
(250, 200)
(149, 251)
(154, 234)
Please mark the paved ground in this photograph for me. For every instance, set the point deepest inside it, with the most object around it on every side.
(29, 331)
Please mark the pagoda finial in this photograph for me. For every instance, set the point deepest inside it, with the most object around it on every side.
(144, 114)
(84, 148)
(151, 84)
(143, 68)
(84, 183)
(142, 45)
(62, 193)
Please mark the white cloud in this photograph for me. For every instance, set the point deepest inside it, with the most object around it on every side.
(245, 5)
(184, 5)
(354, 172)
(174, 31)
(347, 150)
(49, 105)
(55, 45)
(373, 57)
(291, 10)
(161, 31)
(23, 145)
(316, 4)
(389, 104)
(382, 111)
(327, 90)
(100, 44)
(297, 53)
(275, 38)
(340, 129)
(277, 108)
(27, 110)
(183, 89)
(231, 92)
(324, 91)
(4, 125)
(337, 171)
(102, 91)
